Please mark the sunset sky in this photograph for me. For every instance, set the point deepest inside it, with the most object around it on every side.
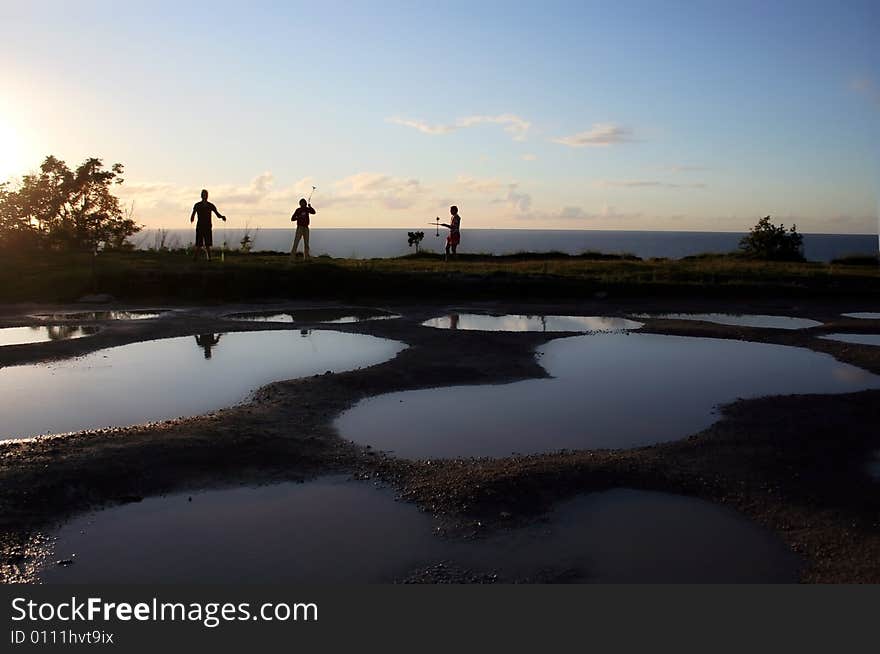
(623, 115)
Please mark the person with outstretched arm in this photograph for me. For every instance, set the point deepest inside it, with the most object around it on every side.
(203, 210)
(454, 237)
(301, 217)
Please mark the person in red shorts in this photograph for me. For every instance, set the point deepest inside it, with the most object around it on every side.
(454, 237)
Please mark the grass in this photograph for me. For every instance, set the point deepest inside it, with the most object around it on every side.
(170, 276)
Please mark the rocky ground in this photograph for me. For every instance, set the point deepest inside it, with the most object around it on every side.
(796, 464)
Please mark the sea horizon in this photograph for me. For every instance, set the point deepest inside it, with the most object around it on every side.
(381, 242)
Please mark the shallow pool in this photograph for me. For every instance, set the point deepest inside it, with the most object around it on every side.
(327, 316)
(606, 391)
(335, 531)
(167, 378)
(858, 339)
(746, 320)
(864, 315)
(43, 334)
(530, 323)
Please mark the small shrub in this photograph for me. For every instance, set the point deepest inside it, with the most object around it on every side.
(415, 238)
(773, 242)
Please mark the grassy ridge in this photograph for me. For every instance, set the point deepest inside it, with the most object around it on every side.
(174, 276)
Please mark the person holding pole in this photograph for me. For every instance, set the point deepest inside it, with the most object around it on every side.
(301, 217)
(454, 227)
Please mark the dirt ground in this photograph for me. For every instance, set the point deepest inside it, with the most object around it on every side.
(795, 464)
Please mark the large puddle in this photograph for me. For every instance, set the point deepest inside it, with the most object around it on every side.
(864, 315)
(327, 316)
(335, 531)
(529, 323)
(606, 391)
(167, 378)
(741, 320)
(105, 315)
(43, 334)
(858, 339)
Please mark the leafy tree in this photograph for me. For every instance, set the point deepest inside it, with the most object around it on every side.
(67, 209)
(415, 238)
(773, 242)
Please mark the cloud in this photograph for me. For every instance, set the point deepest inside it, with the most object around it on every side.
(638, 183)
(867, 87)
(520, 201)
(605, 212)
(424, 127)
(599, 136)
(478, 185)
(391, 192)
(514, 125)
(529, 157)
(687, 169)
(571, 214)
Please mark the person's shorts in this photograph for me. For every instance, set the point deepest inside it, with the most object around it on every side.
(454, 238)
(203, 236)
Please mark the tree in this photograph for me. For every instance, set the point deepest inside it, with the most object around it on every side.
(415, 238)
(773, 242)
(66, 209)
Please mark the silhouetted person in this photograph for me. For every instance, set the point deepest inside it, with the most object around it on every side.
(207, 341)
(203, 210)
(453, 321)
(454, 237)
(301, 216)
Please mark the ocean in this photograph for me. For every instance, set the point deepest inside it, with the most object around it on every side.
(372, 243)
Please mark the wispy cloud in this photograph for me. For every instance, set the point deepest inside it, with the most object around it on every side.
(644, 183)
(467, 184)
(867, 87)
(687, 169)
(514, 125)
(391, 192)
(529, 157)
(572, 214)
(601, 135)
(518, 200)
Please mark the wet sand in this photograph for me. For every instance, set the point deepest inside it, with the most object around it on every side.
(796, 464)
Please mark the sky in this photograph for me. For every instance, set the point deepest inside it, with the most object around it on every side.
(583, 115)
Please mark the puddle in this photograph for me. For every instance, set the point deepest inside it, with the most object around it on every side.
(43, 334)
(874, 466)
(167, 378)
(327, 316)
(104, 315)
(335, 531)
(527, 323)
(864, 315)
(328, 530)
(630, 536)
(748, 320)
(857, 339)
(606, 391)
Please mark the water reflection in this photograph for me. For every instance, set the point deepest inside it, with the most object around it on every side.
(207, 342)
(530, 323)
(167, 378)
(858, 339)
(104, 315)
(742, 320)
(43, 333)
(874, 466)
(333, 531)
(606, 391)
(864, 315)
(328, 316)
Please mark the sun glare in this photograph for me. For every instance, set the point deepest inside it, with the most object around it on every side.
(11, 151)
